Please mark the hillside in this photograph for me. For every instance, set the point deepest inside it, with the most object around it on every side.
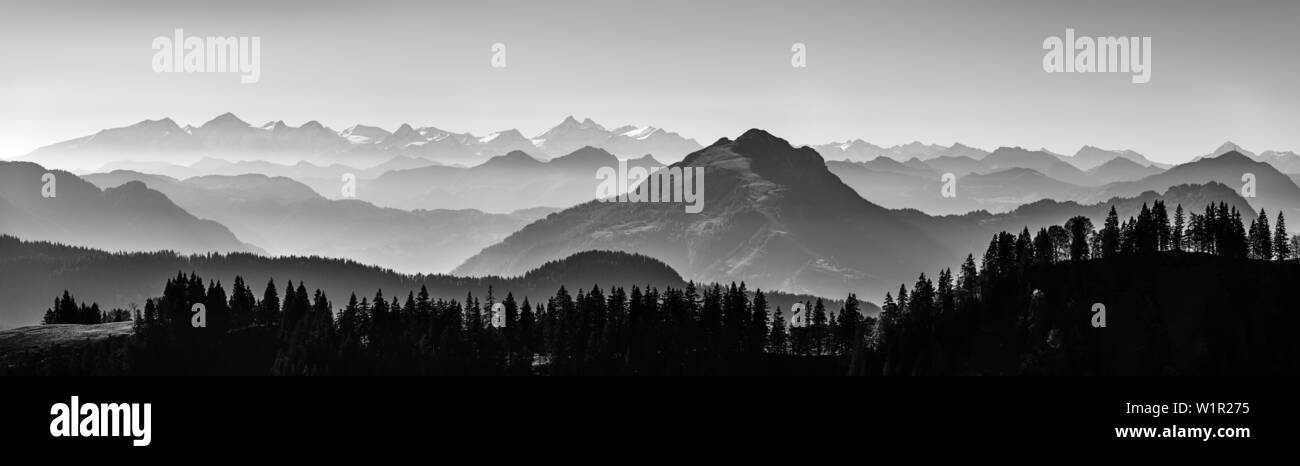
(773, 216)
(33, 273)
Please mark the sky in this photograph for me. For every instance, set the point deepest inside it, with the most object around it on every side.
(886, 72)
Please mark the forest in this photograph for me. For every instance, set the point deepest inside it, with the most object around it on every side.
(1195, 293)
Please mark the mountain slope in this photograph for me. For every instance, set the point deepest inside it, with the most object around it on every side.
(501, 184)
(33, 272)
(1274, 191)
(858, 150)
(1089, 157)
(1120, 169)
(970, 233)
(1040, 161)
(130, 217)
(288, 218)
(773, 216)
(229, 137)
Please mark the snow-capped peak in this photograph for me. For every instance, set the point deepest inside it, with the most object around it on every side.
(639, 132)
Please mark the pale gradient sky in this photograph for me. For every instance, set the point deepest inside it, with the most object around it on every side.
(888, 72)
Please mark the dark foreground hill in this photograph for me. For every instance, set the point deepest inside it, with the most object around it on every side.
(1167, 313)
(32, 274)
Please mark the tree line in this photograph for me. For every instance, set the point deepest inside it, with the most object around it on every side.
(66, 310)
(935, 327)
(696, 329)
(938, 327)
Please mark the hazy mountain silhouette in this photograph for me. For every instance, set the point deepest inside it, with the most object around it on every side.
(1285, 162)
(858, 150)
(130, 217)
(970, 233)
(901, 186)
(1040, 161)
(32, 273)
(501, 184)
(325, 180)
(1089, 157)
(957, 165)
(1274, 191)
(1120, 169)
(773, 216)
(229, 137)
(626, 141)
(286, 217)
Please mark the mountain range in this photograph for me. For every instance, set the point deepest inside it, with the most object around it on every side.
(775, 217)
(32, 273)
(780, 217)
(857, 150)
(129, 217)
(501, 184)
(229, 137)
(1285, 162)
(285, 217)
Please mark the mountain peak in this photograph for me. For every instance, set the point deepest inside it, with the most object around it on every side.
(163, 124)
(587, 155)
(228, 119)
(1233, 156)
(1228, 146)
(405, 130)
(755, 135)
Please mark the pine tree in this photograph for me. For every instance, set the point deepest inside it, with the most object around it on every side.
(1281, 245)
(1080, 228)
(818, 327)
(1261, 238)
(1110, 235)
(850, 319)
(1044, 251)
(270, 305)
(759, 326)
(967, 285)
(150, 312)
(1176, 235)
(218, 308)
(527, 322)
(946, 300)
(1164, 232)
(776, 341)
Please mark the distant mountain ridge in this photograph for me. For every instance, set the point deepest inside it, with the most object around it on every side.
(229, 137)
(500, 184)
(33, 272)
(286, 217)
(774, 217)
(129, 217)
